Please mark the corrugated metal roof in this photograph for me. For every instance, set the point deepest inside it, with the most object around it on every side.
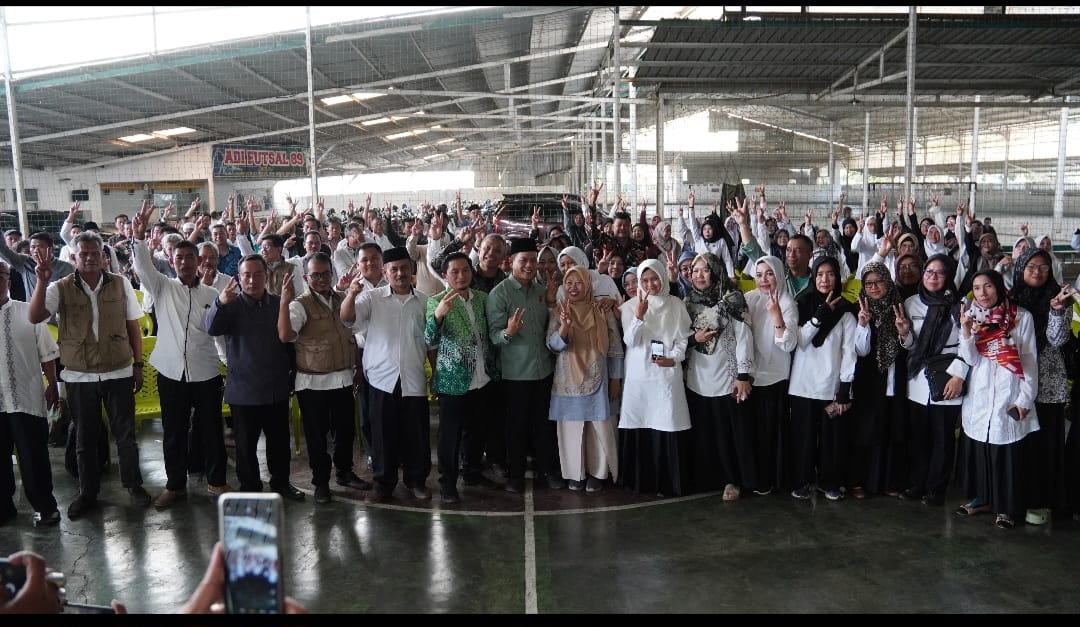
(457, 70)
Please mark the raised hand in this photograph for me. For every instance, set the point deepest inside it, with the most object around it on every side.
(864, 312)
(417, 227)
(690, 197)
(1061, 299)
(860, 223)
(886, 244)
(594, 193)
(516, 321)
(934, 200)
(883, 206)
(566, 323)
(903, 326)
(966, 319)
(445, 305)
(535, 220)
(229, 292)
(831, 302)
(167, 211)
(1024, 229)
(288, 290)
(672, 267)
(773, 307)
(809, 216)
(911, 205)
(781, 211)
(73, 211)
(642, 305)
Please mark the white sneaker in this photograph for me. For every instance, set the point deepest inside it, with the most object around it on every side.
(1037, 516)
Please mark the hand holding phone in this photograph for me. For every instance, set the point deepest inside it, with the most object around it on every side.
(1013, 412)
(252, 530)
(656, 350)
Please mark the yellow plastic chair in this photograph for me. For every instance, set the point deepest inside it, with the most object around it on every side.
(147, 400)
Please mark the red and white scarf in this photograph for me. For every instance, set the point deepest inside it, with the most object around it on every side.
(993, 337)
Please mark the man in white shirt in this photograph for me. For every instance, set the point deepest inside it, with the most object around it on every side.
(369, 262)
(99, 339)
(348, 250)
(392, 318)
(189, 377)
(24, 402)
(325, 358)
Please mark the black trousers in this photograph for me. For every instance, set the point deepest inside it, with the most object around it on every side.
(401, 437)
(29, 436)
(249, 421)
(820, 445)
(527, 414)
(461, 432)
(191, 409)
(363, 413)
(931, 446)
(327, 416)
(85, 400)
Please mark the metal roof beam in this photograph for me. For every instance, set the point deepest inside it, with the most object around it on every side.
(880, 55)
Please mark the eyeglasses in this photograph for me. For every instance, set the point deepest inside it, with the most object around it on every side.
(1037, 267)
(935, 273)
(320, 275)
(908, 267)
(873, 283)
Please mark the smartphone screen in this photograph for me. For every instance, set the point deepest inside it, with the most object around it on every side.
(12, 577)
(251, 534)
(656, 349)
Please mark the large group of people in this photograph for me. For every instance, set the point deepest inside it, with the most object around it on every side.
(753, 356)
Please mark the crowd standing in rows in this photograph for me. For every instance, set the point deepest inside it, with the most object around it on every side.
(754, 355)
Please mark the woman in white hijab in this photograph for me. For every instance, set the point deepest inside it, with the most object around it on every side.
(1046, 243)
(603, 286)
(934, 244)
(654, 416)
(775, 325)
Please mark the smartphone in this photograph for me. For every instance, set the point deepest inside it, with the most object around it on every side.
(1013, 413)
(251, 525)
(12, 576)
(656, 349)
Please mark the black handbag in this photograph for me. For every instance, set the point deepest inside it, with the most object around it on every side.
(937, 376)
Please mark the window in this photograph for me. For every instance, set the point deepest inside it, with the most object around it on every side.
(80, 195)
(31, 198)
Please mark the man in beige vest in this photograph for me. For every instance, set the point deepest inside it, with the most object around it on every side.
(325, 358)
(101, 350)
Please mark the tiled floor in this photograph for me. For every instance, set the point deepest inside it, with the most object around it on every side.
(563, 552)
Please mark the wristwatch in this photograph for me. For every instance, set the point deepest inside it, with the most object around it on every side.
(507, 337)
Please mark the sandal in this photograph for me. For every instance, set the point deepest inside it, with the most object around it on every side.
(971, 508)
(1004, 521)
(731, 492)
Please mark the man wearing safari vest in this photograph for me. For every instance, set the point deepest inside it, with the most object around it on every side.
(325, 358)
(101, 350)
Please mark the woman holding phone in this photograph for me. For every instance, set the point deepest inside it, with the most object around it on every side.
(654, 414)
(998, 339)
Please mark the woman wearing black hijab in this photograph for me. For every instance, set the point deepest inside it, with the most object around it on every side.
(821, 374)
(1034, 289)
(930, 328)
(879, 451)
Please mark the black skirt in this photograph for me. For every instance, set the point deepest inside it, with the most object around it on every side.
(721, 443)
(994, 474)
(654, 462)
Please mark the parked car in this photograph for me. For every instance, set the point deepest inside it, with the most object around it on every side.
(515, 212)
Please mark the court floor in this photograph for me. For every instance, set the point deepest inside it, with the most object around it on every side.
(555, 552)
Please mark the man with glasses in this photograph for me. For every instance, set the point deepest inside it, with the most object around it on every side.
(325, 358)
(258, 381)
